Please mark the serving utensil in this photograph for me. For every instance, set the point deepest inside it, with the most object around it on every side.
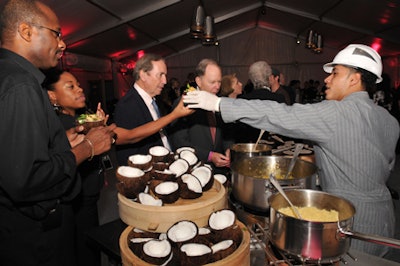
(280, 189)
(299, 147)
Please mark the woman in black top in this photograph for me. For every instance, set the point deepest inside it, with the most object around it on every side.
(68, 99)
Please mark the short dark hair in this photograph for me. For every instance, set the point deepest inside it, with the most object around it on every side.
(15, 12)
(52, 77)
(226, 85)
(145, 63)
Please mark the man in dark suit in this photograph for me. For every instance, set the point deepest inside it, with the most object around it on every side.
(138, 106)
(202, 130)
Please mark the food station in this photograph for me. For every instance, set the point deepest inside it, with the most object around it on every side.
(266, 236)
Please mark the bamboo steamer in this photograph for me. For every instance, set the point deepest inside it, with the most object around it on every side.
(161, 218)
(241, 256)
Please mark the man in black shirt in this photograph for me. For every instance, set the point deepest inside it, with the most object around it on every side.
(38, 165)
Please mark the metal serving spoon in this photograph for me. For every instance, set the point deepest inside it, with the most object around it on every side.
(299, 147)
(280, 189)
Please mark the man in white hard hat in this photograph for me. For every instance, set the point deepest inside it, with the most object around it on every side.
(354, 139)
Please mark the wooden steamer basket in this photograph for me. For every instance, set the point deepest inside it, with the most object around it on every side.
(160, 218)
(241, 256)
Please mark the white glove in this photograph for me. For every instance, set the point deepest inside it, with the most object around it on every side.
(203, 100)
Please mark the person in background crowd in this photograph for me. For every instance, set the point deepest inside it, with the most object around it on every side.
(168, 95)
(38, 178)
(203, 130)
(259, 73)
(68, 98)
(276, 86)
(294, 90)
(230, 86)
(190, 81)
(138, 107)
(354, 139)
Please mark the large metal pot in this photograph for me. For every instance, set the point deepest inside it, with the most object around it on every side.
(316, 241)
(250, 179)
(247, 150)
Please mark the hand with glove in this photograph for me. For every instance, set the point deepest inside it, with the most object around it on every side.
(203, 100)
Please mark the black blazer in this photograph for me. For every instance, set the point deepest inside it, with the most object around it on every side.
(130, 112)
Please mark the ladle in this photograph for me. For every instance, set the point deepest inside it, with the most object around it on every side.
(259, 138)
(280, 189)
(299, 147)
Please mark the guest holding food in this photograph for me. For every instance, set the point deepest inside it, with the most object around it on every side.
(354, 139)
(38, 177)
(139, 107)
(68, 99)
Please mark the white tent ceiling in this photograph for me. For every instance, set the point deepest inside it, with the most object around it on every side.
(118, 29)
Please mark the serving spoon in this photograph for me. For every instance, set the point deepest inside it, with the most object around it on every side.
(299, 147)
(259, 138)
(280, 189)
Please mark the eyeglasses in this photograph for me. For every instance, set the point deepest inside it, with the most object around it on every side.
(56, 32)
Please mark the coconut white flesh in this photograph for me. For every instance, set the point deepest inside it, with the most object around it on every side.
(182, 231)
(179, 150)
(138, 240)
(163, 236)
(139, 158)
(222, 219)
(221, 245)
(146, 189)
(220, 178)
(158, 151)
(189, 156)
(204, 231)
(130, 172)
(203, 174)
(137, 230)
(147, 199)
(195, 249)
(179, 167)
(166, 188)
(192, 182)
(157, 248)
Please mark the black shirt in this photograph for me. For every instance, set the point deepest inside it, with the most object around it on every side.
(37, 167)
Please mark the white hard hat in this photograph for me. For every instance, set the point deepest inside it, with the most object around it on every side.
(358, 56)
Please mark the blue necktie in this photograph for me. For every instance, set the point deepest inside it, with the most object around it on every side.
(156, 108)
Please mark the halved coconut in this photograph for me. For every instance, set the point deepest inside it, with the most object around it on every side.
(185, 148)
(205, 236)
(136, 244)
(190, 186)
(223, 224)
(182, 232)
(156, 251)
(167, 191)
(179, 167)
(147, 199)
(205, 175)
(138, 233)
(222, 179)
(140, 161)
(132, 181)
(189, 156)
(160, 166)
(159, 153)
(222, 250)
(165, 175)
(195, 254)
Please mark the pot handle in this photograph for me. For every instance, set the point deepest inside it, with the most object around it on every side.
(371, 238)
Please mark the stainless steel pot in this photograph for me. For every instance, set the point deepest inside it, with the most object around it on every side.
(247, 150)
(316, 241)
(250, 178)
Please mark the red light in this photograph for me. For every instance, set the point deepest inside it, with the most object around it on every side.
(140, 54)
(376, 45)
